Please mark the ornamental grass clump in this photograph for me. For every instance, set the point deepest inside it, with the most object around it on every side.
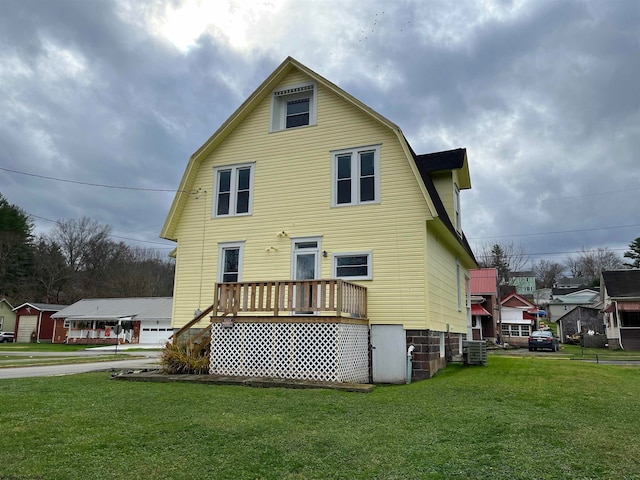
(185, 358)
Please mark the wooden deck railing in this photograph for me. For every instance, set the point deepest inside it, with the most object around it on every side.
(276, 298)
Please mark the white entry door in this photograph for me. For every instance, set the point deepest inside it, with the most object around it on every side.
(305, 266)
(388, 354)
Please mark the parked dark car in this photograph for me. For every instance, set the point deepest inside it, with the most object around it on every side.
(6, 337)
(543, 339)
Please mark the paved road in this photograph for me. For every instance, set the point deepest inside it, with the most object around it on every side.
(150, 360)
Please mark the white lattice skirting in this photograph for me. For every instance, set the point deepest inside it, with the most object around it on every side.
(332, 352)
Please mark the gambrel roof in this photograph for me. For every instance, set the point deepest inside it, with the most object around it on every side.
(421, 165)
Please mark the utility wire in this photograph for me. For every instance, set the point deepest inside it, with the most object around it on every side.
(167, 247)
(120, 187)
(555, 233)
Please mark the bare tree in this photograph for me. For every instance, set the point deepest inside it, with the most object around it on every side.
(51, 272)
(76, 239)
(589, 263)
(547, 273)
(505, 257)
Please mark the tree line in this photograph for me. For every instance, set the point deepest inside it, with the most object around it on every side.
(76, 260)
(586, 264)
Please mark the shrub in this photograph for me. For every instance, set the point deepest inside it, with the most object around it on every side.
(185, 358)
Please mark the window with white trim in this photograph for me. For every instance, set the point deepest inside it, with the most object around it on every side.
(230, 261)
(355, 176)
(293, 107)
(352, 265)
(515, 330)
(233, 190)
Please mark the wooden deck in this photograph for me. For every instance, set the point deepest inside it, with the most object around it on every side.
(290, 297)
(286, 301)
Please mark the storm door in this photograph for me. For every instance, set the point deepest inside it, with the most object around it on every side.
(305, 266)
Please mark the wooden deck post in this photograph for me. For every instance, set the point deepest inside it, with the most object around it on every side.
(276, 300)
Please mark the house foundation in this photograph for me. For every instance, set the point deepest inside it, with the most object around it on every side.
(428, 355)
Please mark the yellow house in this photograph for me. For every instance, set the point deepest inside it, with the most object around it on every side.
(317, 243)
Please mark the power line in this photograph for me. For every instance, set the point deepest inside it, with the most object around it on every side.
(167, 247)
(119, 187)
(597, 194)
(554, 233)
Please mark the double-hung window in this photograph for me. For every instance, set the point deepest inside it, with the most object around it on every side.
(233, 190)
(352, 265)
(230, 261)
(293, 106)
(356, 176)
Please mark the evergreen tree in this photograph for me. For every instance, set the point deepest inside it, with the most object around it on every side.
(633, 253)
(15, 248)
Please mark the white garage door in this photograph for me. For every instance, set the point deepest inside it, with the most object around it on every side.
(26, 326)
(156, 333)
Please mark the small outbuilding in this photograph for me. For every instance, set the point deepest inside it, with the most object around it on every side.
(34, 322)
(586, 321)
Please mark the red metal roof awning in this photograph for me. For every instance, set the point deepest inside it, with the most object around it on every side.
(477, 309)
(624, 307)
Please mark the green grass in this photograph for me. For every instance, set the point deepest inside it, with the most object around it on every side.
(43, 347)
(517, 418)
(9, 361)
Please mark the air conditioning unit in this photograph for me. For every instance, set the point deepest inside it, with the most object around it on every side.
(474, 352)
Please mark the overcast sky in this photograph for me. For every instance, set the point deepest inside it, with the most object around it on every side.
(544, 95)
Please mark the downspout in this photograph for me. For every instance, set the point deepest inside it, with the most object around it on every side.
(409, 359)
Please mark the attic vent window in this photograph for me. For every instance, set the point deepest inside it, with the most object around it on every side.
(293, 107)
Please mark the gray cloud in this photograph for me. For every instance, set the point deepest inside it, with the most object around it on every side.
(543, 94)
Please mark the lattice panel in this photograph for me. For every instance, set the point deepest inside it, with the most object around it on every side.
(309, 351)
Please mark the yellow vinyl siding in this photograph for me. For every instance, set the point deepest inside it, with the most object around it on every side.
(292, 193)
(443, 182)
(442, 287)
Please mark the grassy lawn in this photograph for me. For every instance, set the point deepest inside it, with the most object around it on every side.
(42, 347)
(9, 361)
(575, 352)
(517, 418)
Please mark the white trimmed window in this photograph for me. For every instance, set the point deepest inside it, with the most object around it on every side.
(293, 107)
(230, 261)
(515, 330)
(233, 190)
(355, 176)
(352, 265)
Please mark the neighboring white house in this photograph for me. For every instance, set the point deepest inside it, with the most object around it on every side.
(560, 305)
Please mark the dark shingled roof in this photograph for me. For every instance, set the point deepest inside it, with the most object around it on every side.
(622, 283)
(447, 160)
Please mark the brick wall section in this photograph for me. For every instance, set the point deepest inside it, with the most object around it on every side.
(426, 356)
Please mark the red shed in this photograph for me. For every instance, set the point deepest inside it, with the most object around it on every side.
(34, 322)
